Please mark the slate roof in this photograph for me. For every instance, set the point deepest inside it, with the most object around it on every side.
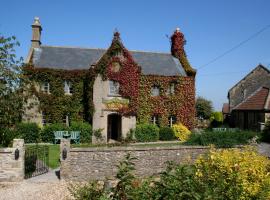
(71, 58)
(259, 100)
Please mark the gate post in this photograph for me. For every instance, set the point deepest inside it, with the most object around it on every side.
(19, 144)
(64, 147)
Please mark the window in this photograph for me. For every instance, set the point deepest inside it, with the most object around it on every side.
(45, 119)
(155, 91)
(116, 66)
(114, 88)
(171, 121)
(45, 87)
(68, 87)
(171, 89)
(155, 120)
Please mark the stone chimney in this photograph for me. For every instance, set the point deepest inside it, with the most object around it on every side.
(177, 43)
(36, 33)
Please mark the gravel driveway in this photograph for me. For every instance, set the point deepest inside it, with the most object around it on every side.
(43, 187)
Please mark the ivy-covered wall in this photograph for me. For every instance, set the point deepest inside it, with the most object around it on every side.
(181, 104)
(57, 104)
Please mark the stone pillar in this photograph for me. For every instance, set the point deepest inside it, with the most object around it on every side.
(65, 144)
(18, 165)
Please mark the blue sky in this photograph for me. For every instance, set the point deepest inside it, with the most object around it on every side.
(211, 27)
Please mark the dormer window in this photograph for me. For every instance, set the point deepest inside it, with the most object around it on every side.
(68, 88)
(114, 88)
(171, 89)
(45, 87)
(155, 91)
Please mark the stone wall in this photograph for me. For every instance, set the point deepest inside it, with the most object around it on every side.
(11, 169)
(83, 164)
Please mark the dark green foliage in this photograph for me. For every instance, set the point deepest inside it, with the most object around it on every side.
(204, 108)
(178, 182)
(47, 133)
(6, 136)
(30, 132)
(146, 133)
(222, 139)
(86, 131)
(10, 83)
(166, 134)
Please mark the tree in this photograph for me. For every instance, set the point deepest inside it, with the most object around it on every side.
(11, 99)
(204, 108)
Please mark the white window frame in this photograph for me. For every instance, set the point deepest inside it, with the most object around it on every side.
(68, 88)
(172, 120)
(114, 88)
(43, 121)
(155, 91)
(155, 120)
(45, 87)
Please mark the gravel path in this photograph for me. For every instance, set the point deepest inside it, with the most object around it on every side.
(43, 187)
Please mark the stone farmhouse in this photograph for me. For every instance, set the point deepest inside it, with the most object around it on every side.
(113, 89)
(249, 100)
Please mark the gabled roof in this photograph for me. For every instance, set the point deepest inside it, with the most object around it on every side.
(259, 100)
(70, 58)
(256, 68)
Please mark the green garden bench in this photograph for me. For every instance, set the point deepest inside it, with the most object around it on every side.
(75, 136)
(58, 135)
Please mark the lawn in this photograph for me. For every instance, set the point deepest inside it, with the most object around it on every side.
(54, 153)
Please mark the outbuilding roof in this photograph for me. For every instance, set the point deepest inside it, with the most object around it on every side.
(259, 100)
(71, 58)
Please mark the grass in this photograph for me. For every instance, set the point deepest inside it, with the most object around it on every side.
(54, 153)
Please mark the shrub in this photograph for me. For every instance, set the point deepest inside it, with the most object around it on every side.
(47, 133)
(221, 139)
(232, 174)
(146, 133)
(216, 119)
(30, 132)
(181, 132)
(86, 131)
(166, 133)
(6, 136)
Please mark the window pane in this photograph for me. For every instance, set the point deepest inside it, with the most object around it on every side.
(114, 87)
(155, 91)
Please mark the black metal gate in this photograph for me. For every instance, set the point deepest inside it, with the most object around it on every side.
(36, 160)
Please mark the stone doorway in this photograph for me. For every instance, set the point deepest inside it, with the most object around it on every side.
(114, 127)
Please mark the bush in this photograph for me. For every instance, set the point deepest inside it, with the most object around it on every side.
(216, 119)
(86, 131)
(30, 132)
(222, 139)
(6, 136)
(166, 134)
(181, 132)
(146, 133)
(47, 133)
(232, 174)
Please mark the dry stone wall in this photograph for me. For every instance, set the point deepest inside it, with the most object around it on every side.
(83, 164)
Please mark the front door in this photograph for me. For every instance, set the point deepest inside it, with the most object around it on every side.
(114, 127)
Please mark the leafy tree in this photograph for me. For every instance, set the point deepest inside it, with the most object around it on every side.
(204, 108)
(10, 82)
